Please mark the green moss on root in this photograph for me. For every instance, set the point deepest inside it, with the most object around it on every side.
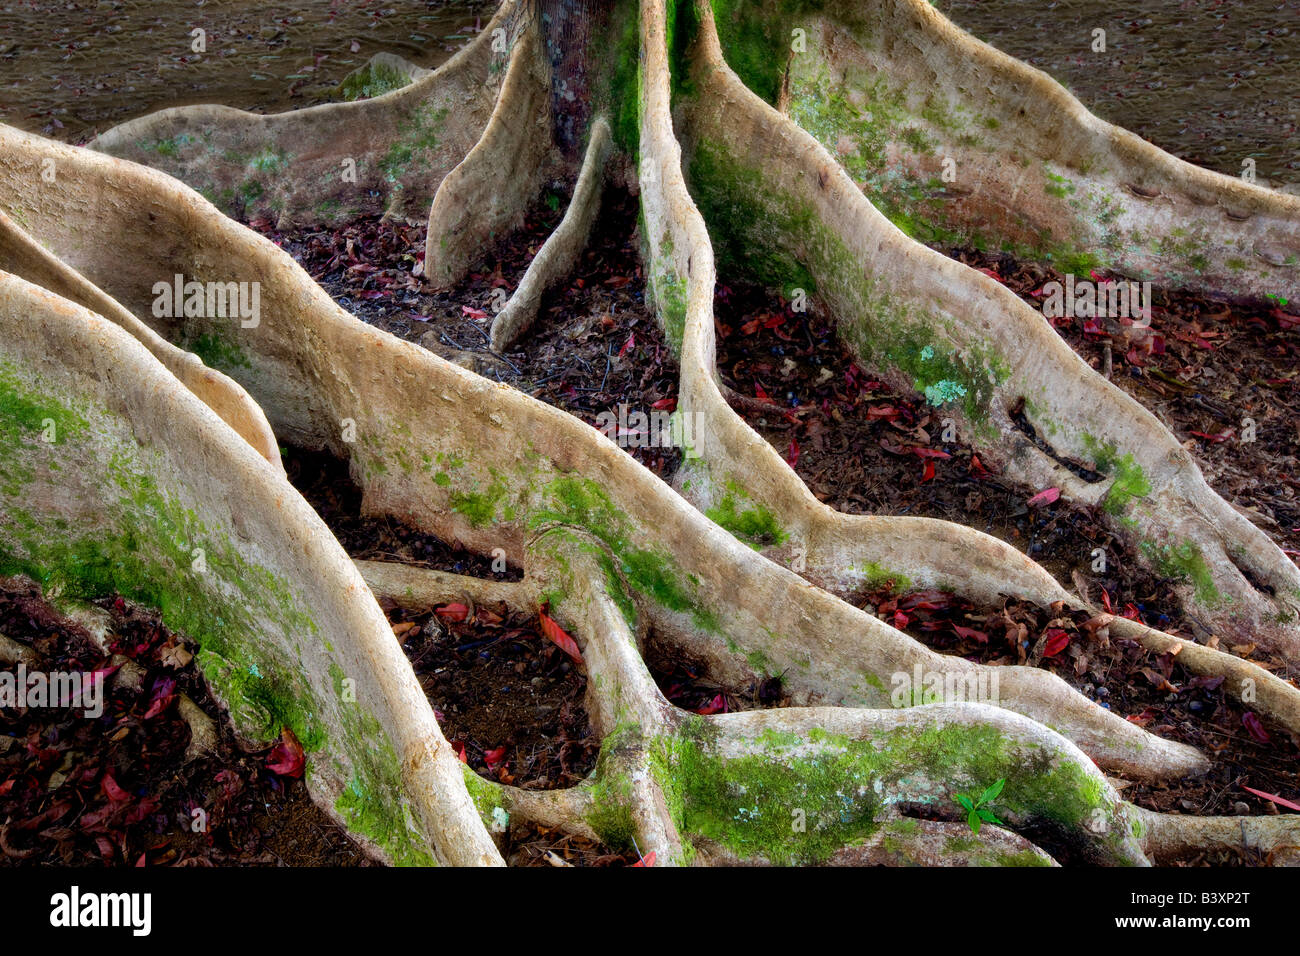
(756, 526)
(780, 240)
(140, 545)
(1130, 481)
(373, 79)
(834, 786)
(1185, 562)
(582, 503)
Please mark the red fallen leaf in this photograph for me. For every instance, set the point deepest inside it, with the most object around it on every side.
(162, 697)
(460, 752)
(1221, 437)
(6, 787)
(666, 403)
(970, 633)
(286, 757)
(372, 294)
(1280, 801)
(1135, 358)
(716, 706)
(792, 454)
(926, 601)
(990, 273)
(112, 790)
(647, 860)
(1105, 601)
(760, 393)
(158, 706)
(1256, 729)
(1286, 319)
(96, 678)
(901, 620)
(929, 470)
(977, 467)
(472, 313)
(630, 343)
(888, 412)
(1141, 719)
(1057, 641)
(750, 327)
(90, 822)
(558, 635)
(920, 452)
(1093, 327)
(1044, 497)
(494, 757)
(455, 613)
(1131, 612)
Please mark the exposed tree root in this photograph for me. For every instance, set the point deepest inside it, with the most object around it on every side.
(895, 89)
(1171, 837)
(560, 252)
(334, 162)
(487, 193)
(973, 347)
(23, 256)
(846, 775)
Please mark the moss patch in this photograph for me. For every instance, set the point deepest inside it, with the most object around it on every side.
(756, 526)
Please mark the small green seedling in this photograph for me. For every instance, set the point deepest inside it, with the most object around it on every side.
(976, 812)
(1276, 298)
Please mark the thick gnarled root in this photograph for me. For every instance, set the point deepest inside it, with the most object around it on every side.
(335, 162)
(1172, 837)
(24, 257)
(960, 143)
(560, 252)
(486, 195)
(616, 553)
(120, 481)
(974, 349)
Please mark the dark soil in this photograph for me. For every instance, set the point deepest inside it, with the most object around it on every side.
(864, 447)
(531, 845)
(328, 487)
(594, 346)
(115, 790)
(688, 684)
(494, 680)
(507, 698)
